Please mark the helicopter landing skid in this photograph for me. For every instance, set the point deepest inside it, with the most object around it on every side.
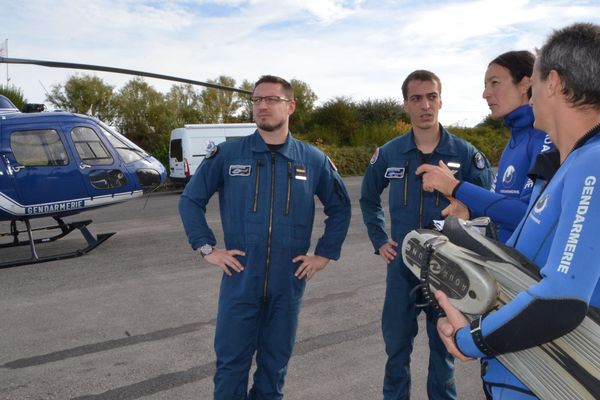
(65, 229)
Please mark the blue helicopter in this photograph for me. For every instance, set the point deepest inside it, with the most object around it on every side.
(57, 164)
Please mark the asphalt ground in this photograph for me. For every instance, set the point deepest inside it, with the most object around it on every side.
(135, 318)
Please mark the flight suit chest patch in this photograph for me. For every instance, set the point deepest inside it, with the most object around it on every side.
(240, 170)
(395, 172)
(453, 166)
(300, 173)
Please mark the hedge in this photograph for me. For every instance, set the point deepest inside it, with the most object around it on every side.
(353, 160)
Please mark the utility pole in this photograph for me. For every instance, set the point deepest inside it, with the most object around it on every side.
(4, 52)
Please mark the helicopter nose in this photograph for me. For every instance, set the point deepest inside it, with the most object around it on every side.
(149, 179)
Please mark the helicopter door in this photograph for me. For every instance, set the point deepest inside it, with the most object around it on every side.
(42, 170)
(103, 173)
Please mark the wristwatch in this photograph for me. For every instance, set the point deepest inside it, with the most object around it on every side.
(205, 249)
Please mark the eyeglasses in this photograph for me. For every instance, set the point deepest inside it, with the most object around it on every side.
(270, 100)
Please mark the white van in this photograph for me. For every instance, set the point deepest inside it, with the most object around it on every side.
(188, 146)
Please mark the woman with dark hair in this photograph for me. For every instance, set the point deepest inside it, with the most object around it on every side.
(507, 92)
(559, 235)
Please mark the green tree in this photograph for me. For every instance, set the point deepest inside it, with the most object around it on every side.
(305, 105)
(14, 94)
(334, 122)
(184, 105)
(143, 115)
(84, 94)
(245, 114)
(386, 110)
(489, 122)
(220, 106)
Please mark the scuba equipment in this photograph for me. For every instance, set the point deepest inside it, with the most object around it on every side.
(460, 260)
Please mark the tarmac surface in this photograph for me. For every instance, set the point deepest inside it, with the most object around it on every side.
(135, 318)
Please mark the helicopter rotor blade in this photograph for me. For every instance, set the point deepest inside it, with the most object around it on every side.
(56, 64)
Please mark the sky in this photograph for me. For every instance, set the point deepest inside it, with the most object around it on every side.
(360, 49)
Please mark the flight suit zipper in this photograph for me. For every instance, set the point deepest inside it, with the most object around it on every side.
(437, 199)
(259, 164)
(421, 207)
(289, 189)
(268, 263)
(405, 183)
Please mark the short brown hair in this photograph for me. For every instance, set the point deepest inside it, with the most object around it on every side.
(287, 87)
(420, 75)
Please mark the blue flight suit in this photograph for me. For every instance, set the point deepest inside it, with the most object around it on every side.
(559, 234)
(267, 210)
(394, 165)
(507, 202)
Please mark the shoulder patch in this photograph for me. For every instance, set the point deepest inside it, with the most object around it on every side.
(211, 150)
(479, 160)
(332, 164)
(375, 156)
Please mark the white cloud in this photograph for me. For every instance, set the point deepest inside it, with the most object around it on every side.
(363, 49)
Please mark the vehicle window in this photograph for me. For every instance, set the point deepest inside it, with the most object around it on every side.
(38, 148)
(232, 138)
(176, 151)
(127, 150)
(6, 104)
(89, 146)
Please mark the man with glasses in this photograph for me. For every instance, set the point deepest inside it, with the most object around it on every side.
(394, 165)
(266, 183)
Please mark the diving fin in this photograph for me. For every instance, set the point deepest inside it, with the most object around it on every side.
(567, 368)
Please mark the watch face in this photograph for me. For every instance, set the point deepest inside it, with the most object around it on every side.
(206, 249)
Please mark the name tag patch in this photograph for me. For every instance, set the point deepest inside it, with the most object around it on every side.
(240, 170)
(453, 166)
(300, 173)
(395, 173)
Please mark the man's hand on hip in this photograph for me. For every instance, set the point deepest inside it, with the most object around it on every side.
(225, 259)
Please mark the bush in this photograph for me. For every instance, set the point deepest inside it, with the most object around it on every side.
(353, 160)
(489, 141)
(350, 161)
(14, 94)
(377, 133)
(160, 151)
(334, 121)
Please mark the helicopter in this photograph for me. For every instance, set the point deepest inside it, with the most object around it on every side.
(58, 164)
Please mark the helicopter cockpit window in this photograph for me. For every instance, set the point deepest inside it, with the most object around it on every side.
(38, 148)
(128, 151)
(89, 146)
